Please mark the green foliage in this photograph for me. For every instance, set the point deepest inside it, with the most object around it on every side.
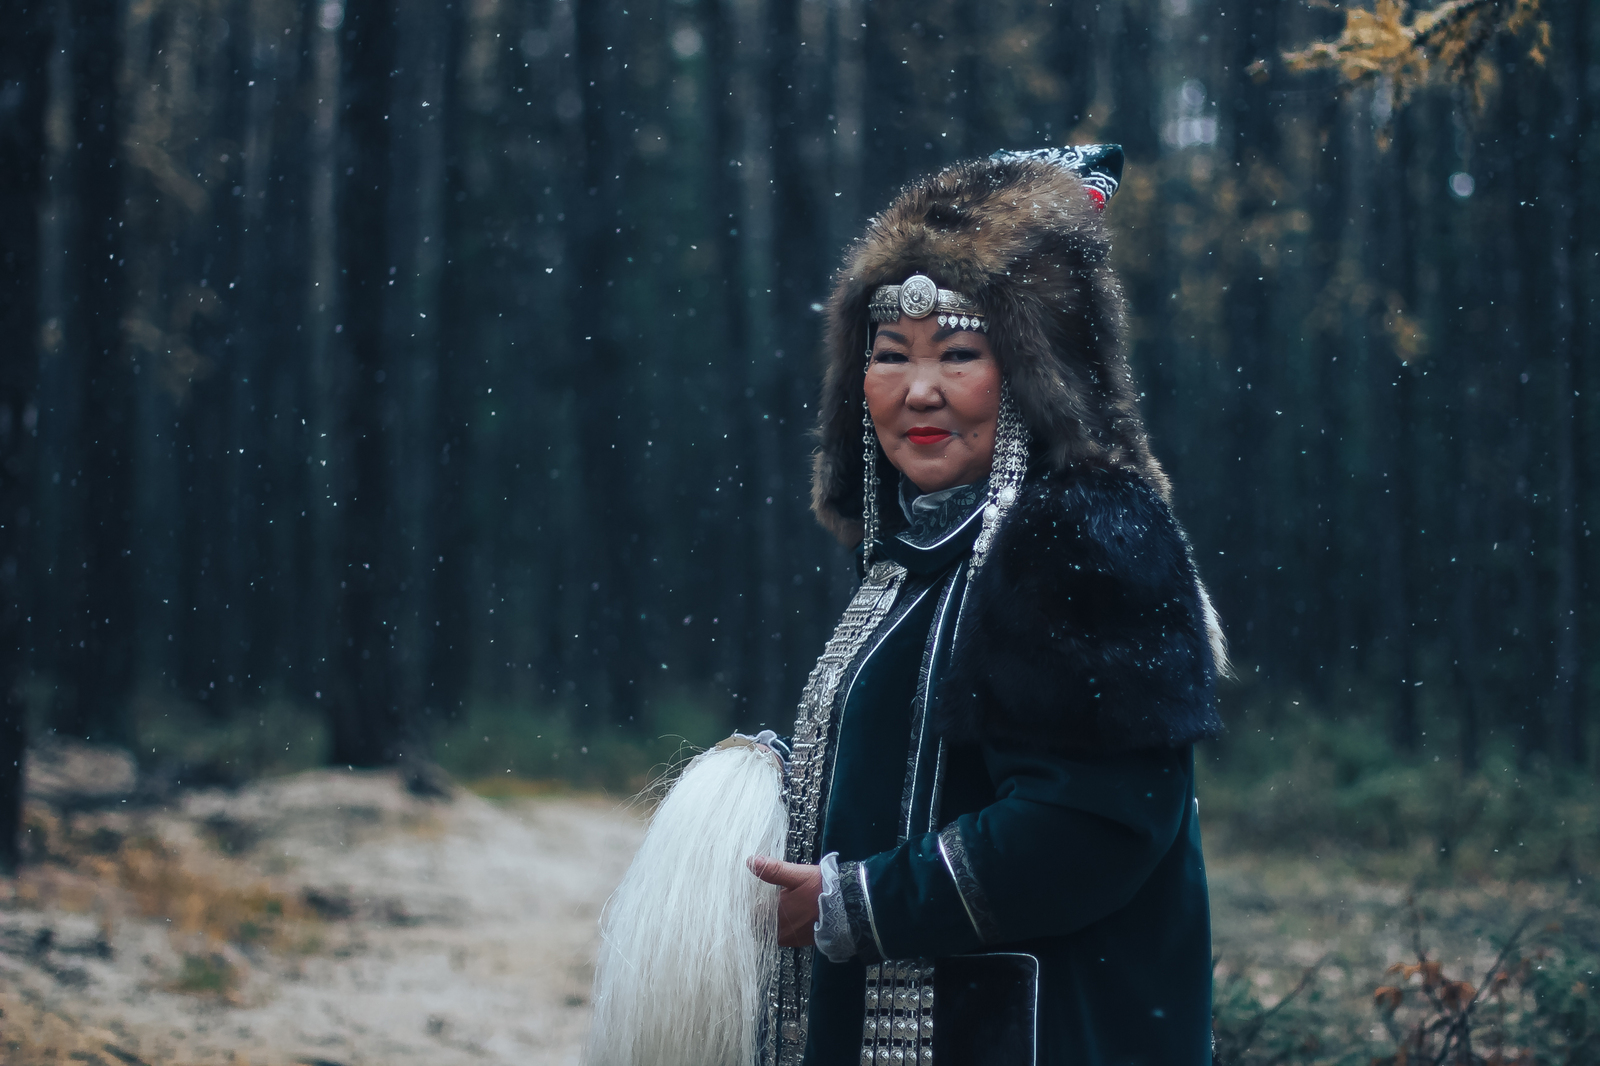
(207, 975)
(492, 746)
(1304, 781)
(499, 747)
(273, 737)
(1303, 1026)
(1535, 1004)
(1538, 1003)
(1562, 1024)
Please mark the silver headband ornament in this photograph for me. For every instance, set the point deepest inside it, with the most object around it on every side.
(919, 297)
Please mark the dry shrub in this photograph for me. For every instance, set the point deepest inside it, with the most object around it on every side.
(1402, 47)
(163, 883)
(110, 866)
(30, 1035)
(1534, 1005)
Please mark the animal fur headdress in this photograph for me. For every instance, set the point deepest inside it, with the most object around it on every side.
(1021, 235)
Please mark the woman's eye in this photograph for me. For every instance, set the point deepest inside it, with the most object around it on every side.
(962, 355)
(889, 357)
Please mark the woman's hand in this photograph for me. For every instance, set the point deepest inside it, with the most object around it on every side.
(797, 902)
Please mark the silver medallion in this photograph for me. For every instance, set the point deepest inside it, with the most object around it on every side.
(918, 296)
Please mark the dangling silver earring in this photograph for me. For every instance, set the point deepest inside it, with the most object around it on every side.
(1010, 466)
(869, 463)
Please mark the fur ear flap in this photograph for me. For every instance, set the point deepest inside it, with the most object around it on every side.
(826, 478)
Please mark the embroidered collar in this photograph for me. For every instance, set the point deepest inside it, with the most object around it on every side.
(932, 515)
(934, 536)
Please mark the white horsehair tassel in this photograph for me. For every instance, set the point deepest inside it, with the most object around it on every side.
(689, 940)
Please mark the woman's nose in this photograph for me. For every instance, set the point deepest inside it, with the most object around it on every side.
(924, 393)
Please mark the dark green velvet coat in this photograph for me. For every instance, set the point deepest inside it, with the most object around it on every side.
(1013, 773)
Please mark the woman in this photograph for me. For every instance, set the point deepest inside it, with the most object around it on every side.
(993, 836)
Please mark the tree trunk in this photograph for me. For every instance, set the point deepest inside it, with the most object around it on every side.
(612, 645)
(418, 108)
(1403, 512)
(98, 650)
(1566, 179)
(317, 595)
(24, 57)
(369, 726)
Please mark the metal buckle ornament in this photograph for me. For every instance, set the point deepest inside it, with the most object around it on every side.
(918, 296)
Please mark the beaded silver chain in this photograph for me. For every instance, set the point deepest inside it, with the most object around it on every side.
(804, 785)
(1006, 472)
(869, 485)
(898, 1027)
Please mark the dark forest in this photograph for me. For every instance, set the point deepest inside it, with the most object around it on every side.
(382, 366)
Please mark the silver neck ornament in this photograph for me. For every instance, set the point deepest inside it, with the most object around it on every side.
(869, 482)
(1006, 471)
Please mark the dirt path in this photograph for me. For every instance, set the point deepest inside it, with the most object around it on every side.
(417, 931)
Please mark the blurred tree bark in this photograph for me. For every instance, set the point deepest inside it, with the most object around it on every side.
(1467, 562)
(317, 595)
(602, 335)
(420, 107)
(1398, 271)
(95, 663)
(1565, 177)
(729, 546)
(368, 724)
(24, 88)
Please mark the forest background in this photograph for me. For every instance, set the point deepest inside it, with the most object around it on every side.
(430, 384)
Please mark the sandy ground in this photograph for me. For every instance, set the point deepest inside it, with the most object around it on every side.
(457, 931)
(411, 930)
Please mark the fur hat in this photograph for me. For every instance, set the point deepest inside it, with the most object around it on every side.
(1022, 237)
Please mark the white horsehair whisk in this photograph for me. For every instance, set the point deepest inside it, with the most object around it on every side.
(689, 940)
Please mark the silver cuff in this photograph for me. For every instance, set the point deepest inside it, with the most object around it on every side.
(860, 870)
(833, 936)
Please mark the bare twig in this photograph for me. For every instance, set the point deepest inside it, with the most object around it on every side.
(1259, 1022)
(1463, 1020)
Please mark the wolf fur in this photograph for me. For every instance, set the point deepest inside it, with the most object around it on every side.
(689, 939)
(1086, 629)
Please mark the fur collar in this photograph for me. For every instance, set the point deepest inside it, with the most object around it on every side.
(1088, 627)
(1024, 239)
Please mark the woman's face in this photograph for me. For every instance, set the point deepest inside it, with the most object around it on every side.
(934, 395)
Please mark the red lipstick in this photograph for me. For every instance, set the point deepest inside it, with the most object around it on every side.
(927, 434)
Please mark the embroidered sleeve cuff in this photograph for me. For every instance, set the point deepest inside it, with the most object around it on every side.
(833, 935)
(953, 850)
(853, 890)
